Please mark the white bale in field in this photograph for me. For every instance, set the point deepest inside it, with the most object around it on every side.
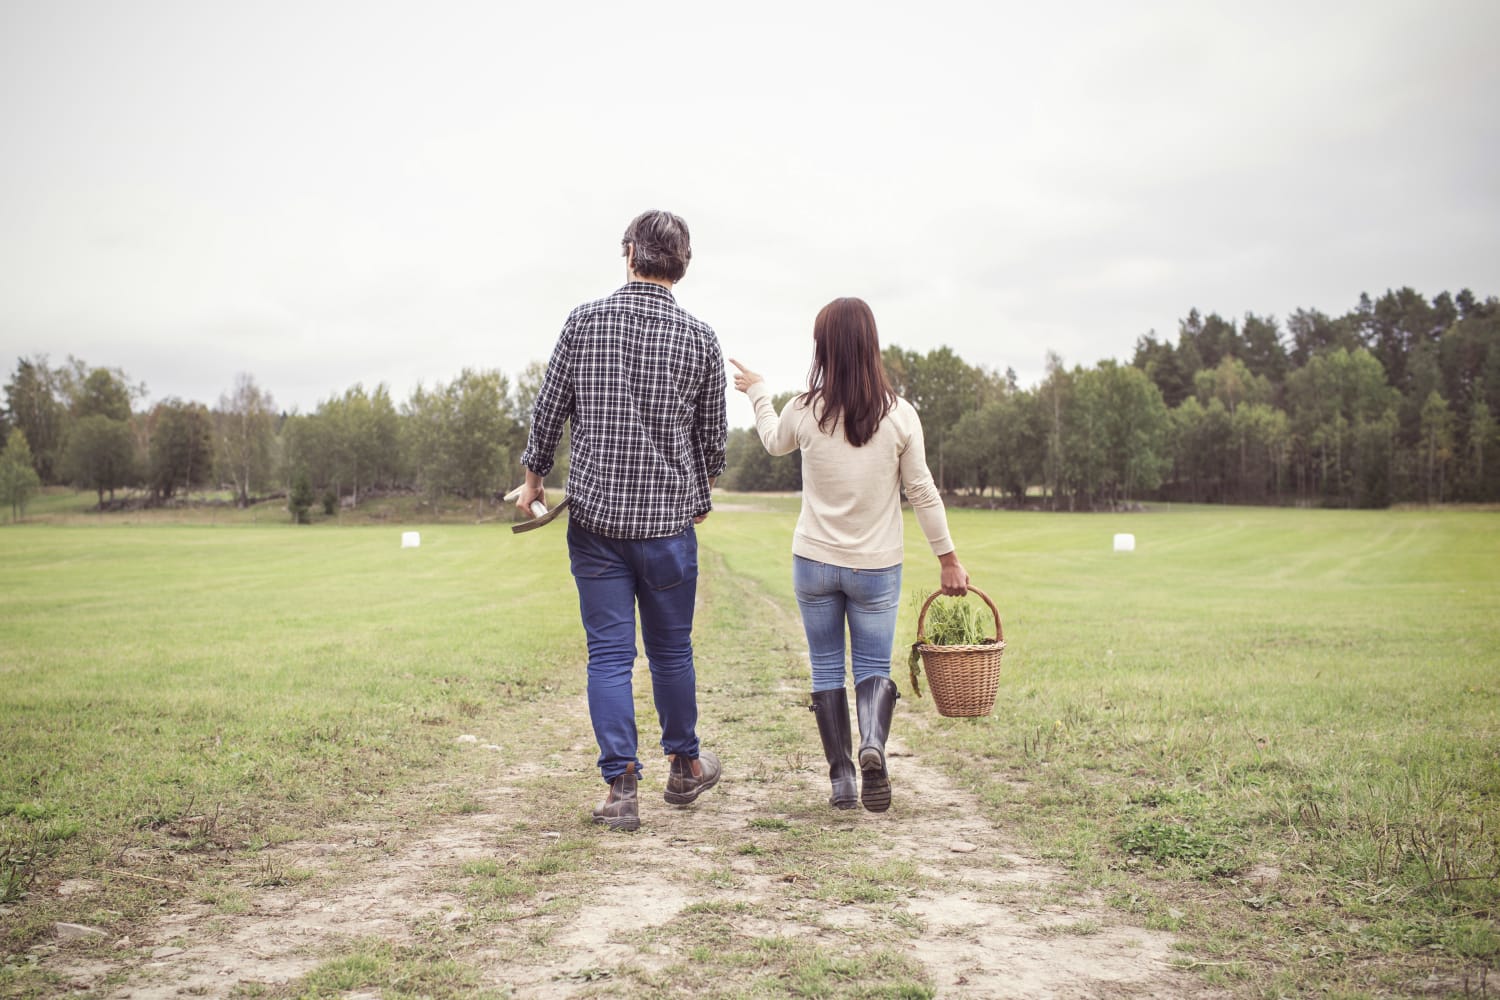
(1124, 543)
(411, 539)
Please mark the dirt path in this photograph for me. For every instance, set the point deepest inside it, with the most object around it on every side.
(757, 889)
(981, 918)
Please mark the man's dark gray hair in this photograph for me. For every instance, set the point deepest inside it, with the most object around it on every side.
(662, 245)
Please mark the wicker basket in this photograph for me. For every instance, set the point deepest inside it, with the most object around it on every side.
(963, 679)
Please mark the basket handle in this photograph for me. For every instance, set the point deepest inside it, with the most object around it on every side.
(922, 615)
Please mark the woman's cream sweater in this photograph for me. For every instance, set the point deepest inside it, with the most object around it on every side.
(851, 497)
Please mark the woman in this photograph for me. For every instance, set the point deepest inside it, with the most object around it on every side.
(861, 444)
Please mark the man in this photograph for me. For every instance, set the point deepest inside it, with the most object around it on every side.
(642, 383)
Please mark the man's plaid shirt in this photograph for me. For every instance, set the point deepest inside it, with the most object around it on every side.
(642, 383)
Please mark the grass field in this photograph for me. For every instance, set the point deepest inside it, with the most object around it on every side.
(1274, 732)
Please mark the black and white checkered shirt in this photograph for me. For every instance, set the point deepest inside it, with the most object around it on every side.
(641, 381)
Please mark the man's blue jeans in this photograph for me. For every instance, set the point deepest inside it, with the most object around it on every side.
(866, 599)
(614, 575)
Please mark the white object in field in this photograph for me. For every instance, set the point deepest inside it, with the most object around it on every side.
(411, 539)
(1124, 543)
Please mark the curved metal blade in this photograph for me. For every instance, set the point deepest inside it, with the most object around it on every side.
(540, 520)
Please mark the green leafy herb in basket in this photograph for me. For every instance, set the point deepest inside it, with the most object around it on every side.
(951, 621)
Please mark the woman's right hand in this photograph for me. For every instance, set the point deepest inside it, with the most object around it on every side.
(954, 579)
(744, 378)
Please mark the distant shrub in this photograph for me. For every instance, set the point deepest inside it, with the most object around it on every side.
(301, 498)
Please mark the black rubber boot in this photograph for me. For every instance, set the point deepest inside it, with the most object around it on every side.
(832, 711)
(875, 700)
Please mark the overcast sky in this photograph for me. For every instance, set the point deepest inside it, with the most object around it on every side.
(321, 194)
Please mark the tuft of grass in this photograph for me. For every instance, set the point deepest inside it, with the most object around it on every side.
(861, 883)
(406, 972)
(769, 823)
(273, 872)
(1076, 928)
(18, 868)
(1163, 842)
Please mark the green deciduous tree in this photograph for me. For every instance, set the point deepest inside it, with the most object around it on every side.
(942, 387)
(1200, 438)
(18, 478)
(361, 432)
(465, 437)
(1484, 434)
(1055, 399)
(481, 433)
(299, 497)
(1113, 434)
(973, 452)
(1261, 438)
(348, 445)
(1343, 415)
(181, 452)
(101, 450)
(1133, 420)
(35, 406)
(100, 455)
(1022, 443)
(305, 449)
(1002, 444)
(102, 392)
(1437, 443)
(1232, 384)
(245, 437)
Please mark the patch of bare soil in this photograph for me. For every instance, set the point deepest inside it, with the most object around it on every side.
(984, 919)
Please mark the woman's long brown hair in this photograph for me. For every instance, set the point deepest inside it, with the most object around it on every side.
(847, 375)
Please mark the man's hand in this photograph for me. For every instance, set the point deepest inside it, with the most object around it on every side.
(531, 492)
(744, 378)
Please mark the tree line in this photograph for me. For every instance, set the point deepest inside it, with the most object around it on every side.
(1396, 400)
(77, 425)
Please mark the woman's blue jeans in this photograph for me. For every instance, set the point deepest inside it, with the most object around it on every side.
(867, 600)
(614, 576)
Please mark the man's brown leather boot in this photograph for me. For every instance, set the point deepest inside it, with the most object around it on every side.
(621, 809)
(690, 777)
